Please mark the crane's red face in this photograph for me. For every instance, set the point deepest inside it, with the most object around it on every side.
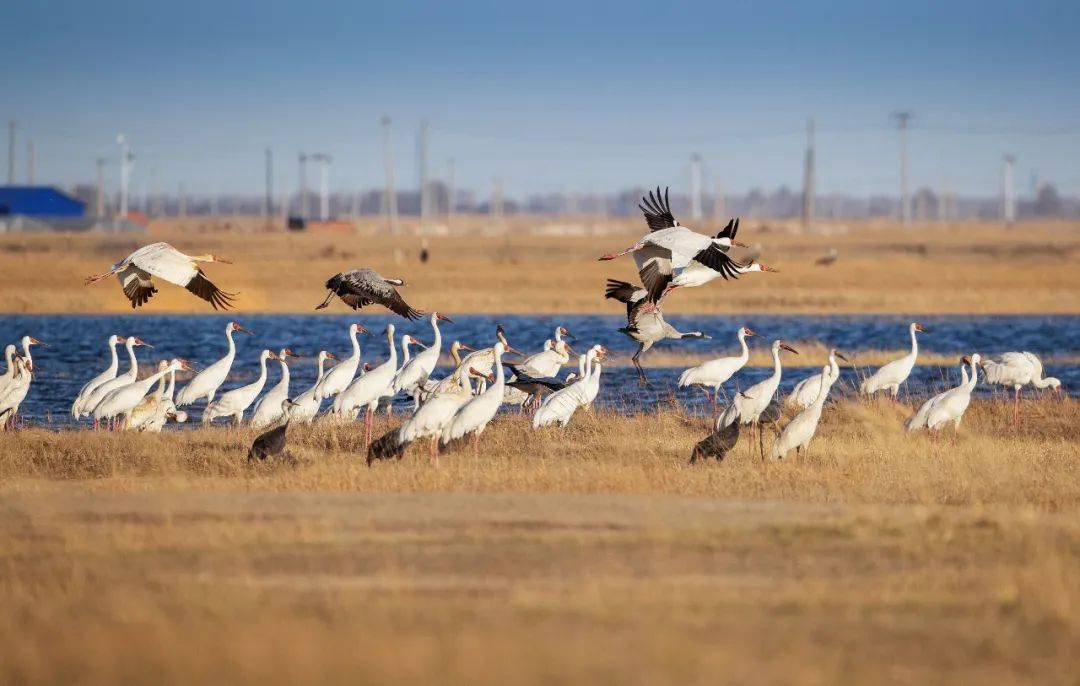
(34, 341)
(187, 366)
(414, 341)
(237, 327)
(466, 347)
(360, 328)
(768, 269)
(442, 317)
(139, 341)
(747, 331)
(919, 327)
(331, 356)
(287, 353)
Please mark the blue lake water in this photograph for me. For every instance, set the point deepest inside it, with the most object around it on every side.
(77, 351)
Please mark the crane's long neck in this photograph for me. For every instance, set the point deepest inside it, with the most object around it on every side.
(405, 355)
(834, 366)
(745, 348)
(232, 344)
(437, 345)
(133, 368)
(776, 363)
(160, 393)
(9, 355)
(114, 362)
(1044, 382)
(823, 389)
(500, 377)
(284, 383)
(914, 343)
(581, 361)
(974, 377)
(172, 385)
(393, 350)
(262, 370)
(26, 350)
(355, 344)
(154, 378)
(322, 368)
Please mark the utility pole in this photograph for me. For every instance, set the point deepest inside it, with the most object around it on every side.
(496, 208)
(389, 203)
(302, 209)
(324, 161)
(268, 206)
(451, 192)
(422, 166)
(695, 186)
(11, 153)
(1008, 195)
(127, 162)
(808, 177)
(902, 118)
(99, 200)
(30, 162)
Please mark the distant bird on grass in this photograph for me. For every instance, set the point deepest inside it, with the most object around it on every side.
(828, 258)
(272, 443)
(135, 273)
(362, 287)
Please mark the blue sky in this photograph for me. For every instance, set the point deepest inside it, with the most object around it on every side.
(547, 96)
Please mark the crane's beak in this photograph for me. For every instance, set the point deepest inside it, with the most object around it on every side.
(187, 366)
(788, 348)
(568, 334)
(463, 346)
(222, 260)
(842, 357)
(443, 317)
(511, 349)
(331, 356)
(774, 270)
(739, 244)
(37, 342)
(141, 342)
(242, 329)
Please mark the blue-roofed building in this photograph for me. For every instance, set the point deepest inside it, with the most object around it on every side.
(38, 201)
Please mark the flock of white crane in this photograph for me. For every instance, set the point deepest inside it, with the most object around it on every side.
(462, 404)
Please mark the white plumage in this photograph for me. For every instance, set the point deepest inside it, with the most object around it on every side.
(952, 405)
(801, 429)
(365, 392)
(339, 378)
(129, 376)
(135, 274)
(714, 373)
(415, 372)
(560, 406)
(206, 383)
(233, 403)
(753, 401)
(306, 405)
(108, 375)
(121, 401)
(267, 409)
(889, 376)
(473, 417)
(920, 420)
(806, 390)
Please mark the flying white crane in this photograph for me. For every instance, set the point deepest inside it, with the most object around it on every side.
(801, 429)
(671, 249)
(714, 373)
(559, 407)
(120, 402)
(806, 390)
(129, 376)
(267, 409)
(1018, 369)
(135, 273)
(365, 392)
(754, 400)
(918, 421)
(233, 403)
(474, 416)
(306, 405)
(951, 406)
(889, 376)
(339, 378)
(416, 371)
(107, 375)
(206, 383)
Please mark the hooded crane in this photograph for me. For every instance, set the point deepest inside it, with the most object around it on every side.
(108, 375)
(801, 429)
(206, 383)
(362, 287)
(672, 255)
(272, 443)
(235, 402)
(1018, 369)
(722, 439)
(889, 376)
(715, 373)
(802, 396)
(753, 401)
(267, 409)
(165, 262)
(645, 322)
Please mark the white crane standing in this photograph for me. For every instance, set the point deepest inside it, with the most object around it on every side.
(267, 409)
(560, 406)
(714, 373)
(801, 429)
(129, 376)
(951, 406)
(339, 378)
(306, 405)
(120, 402)
(806, 390)
(889, 376)
(754, 400)
(10, 354)
(365, 392)
(415, 372)
(233, 403)
(108, 375)
(206, 383)
(1018, 369)
(135, 273)
(918, 421)
(473, 417)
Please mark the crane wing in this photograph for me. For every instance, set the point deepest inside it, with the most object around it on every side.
(1036, 364)
(623, 291)
(655, 278)
(657, 211)
(165, 262)
(138, 288)
(205, 289)
(730, 230)
(717, 260)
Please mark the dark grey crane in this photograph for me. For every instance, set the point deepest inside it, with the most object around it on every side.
(272, 443)
(362, 287)
(645, 321)
(722, 439)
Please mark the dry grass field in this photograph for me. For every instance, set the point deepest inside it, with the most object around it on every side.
(593, 554)
(542, 265)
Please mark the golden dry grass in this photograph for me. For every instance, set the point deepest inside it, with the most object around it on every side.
(549, 266)
(565, 557)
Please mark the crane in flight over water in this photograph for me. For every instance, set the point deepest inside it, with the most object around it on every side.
(362, 287)
(136, 272)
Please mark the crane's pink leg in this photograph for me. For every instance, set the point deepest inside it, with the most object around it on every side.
(1016, 408)
(433, 451)
(476, 444)
(612, 256)
(708, 398)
